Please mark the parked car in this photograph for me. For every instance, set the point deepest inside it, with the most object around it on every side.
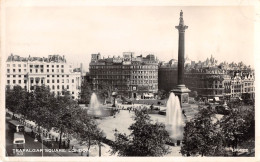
(222, 109)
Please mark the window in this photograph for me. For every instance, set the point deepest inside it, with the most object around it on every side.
(8, 65)
(8, 70)
(19, 76)
(30, 70)
(14, 70)
(72, 80)
(8, 76)
(8, 81)
(13, 65)
(31, 66)
(52, 66)
(41, 81)
(36, 70)
(47, 70)
(58, 87)
(67, 75)
(24, 70)
(62, 75)
(25, 81)
(48, 76)
(62, 80)
(57, 66)
(14, 76)
(20, 70)
(58, 81)
(62, 70)
(52, 70)
(68, 80)
(58, 76)
(68, 87)
(47, 66)
(58, 70)
(41, 70)
(62, 66)
(62, 86)
(53, 87)
(48, 81)
(20, 81)
(19, 65)
(53, 81)
(14, 81)
(24, 65)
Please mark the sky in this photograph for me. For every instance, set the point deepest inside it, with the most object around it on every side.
(227, 33)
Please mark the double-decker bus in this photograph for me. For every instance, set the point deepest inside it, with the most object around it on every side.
(16, 126)
(19, 140)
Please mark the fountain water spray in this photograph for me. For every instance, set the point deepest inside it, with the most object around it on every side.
(174, 119)
(94, 105)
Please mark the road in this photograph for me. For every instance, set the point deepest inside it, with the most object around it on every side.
(30, 145)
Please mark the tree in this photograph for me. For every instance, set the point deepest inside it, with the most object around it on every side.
(65, 114)
(105, 90)
(162, 94)
(238, 127)
(202, 136)
(86, 91)
(15, 99)
(146, 139)
(87, 130)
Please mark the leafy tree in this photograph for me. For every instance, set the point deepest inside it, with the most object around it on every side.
(15, 99)
(105, 90)
(202, 136)
(65, 113)
(146, 138)
(87, 130)
(162, 94)
(86, 91)
(238, 127)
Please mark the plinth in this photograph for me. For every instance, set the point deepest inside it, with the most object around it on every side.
(183, 93)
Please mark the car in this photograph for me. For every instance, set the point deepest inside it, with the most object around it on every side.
(222, 109)
(127, 102)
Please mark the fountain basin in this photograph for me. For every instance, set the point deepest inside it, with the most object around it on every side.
(100, 112)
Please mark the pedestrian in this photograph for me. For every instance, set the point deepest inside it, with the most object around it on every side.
(183, 112)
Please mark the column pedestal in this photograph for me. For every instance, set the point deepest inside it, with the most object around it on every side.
(183, 93)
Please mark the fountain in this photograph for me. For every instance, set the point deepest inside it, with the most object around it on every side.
(96, 109)
(174, 119)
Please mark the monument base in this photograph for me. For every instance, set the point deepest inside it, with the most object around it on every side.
(183, 93)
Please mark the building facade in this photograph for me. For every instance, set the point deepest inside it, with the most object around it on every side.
(135, 77)
(53, 72)
(211, 80)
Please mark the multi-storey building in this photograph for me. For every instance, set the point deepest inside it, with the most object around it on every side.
(211, 80)
(53, 72)
(129, 75)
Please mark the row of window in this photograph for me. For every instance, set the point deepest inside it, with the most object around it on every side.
(35, 66)
(123, 67)
(36, 70)
(58, 81)
(39, 81)
(143, 77)
(19, 65)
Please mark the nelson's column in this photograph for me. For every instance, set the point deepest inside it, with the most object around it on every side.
(181, 90)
